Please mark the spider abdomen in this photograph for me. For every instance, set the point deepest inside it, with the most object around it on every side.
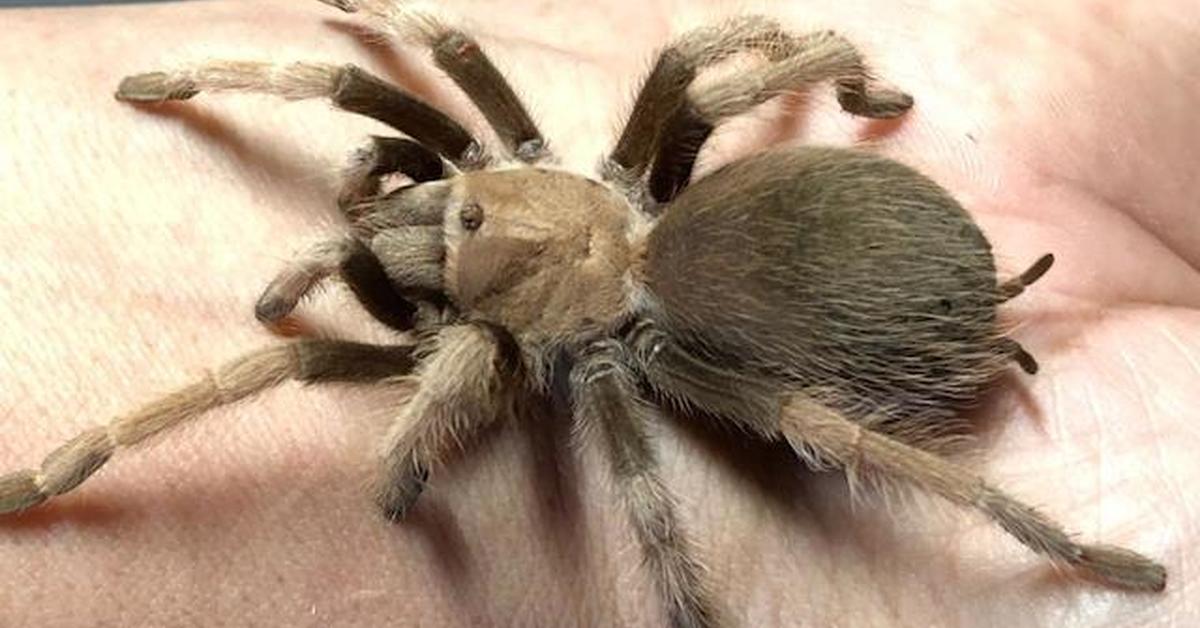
(834, 271)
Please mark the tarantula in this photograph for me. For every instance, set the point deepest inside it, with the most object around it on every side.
(825, 297)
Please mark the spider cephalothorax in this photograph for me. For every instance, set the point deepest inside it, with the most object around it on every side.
(832, 299)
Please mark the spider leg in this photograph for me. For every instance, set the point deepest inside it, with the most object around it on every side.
(348, 87)
(358, 267)
(392, 288)
(822, 435)
(818, 57)
(470, 379)
(381, 157)
(464, 61)
(309, 361)
(665, 88)
(369, 282)
(298, 278)
(606, 403)
(689, 383)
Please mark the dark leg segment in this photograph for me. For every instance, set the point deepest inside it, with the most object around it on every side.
(417, 253)
(665, 89)
(683, 135)
(361, 92)
(606, 403)
(465, 62)
(460, 56)
(364, 274)
(310, 361)
(816, 57)
(393, 154)
(382, 157)
(348, 87)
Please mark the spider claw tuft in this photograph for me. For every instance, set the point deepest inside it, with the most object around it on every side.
(273, 307)
(397, 498)
(878, 103)
(18, 491)
(1124, 568)
(153, 87)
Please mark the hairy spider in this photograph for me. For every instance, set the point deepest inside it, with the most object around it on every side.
(832, 299)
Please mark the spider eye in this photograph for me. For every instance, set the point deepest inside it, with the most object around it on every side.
(471, 216)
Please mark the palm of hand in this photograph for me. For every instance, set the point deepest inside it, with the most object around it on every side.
(1036, 134)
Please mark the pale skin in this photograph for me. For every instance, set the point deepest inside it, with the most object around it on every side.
(137, 240)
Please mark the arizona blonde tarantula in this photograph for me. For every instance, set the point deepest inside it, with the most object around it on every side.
(828, 298)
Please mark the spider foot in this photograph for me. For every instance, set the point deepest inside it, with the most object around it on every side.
(156, 87)
(874, 102)
(18, 491)
(398, 496)
(277, 301)
(1124, 568)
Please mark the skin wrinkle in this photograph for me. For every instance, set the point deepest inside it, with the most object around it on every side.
(1150, 416)
(1134, 68)
(1105, 305)
(1180, 498)
(1181, 347)
(1123, 209)
(1100, 461)
(191, 321)
(1178, 488)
